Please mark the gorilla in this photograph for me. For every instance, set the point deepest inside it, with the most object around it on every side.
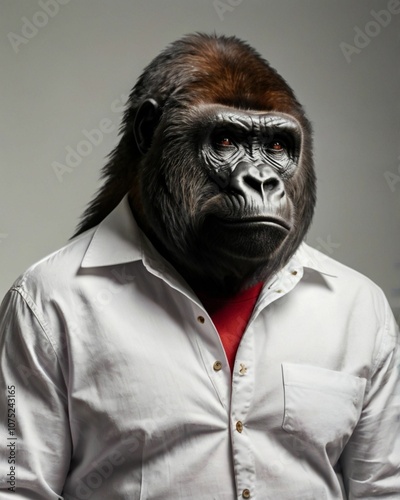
(216, 153)
(187, 343)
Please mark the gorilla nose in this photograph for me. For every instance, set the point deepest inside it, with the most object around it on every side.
(251, 180)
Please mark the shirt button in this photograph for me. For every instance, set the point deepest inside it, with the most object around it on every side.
(200, 319)
(239, 428)
(243, 369)
(246, 493)
(278, 291)
(294, 273)
(217, 366)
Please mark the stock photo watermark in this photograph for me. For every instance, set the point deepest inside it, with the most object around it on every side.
(11, 438)
(327, 245)
(131, 451)
(102, 470)
(100, 301)
(106, 294)
(363, 37)
(392, 178)
(223, 7)
(91, 139)
(31, 27)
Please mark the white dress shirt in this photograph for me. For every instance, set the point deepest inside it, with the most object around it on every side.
(122, 389)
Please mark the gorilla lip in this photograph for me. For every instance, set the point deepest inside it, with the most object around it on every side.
(259, 219)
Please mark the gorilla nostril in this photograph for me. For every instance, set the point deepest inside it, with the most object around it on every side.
(253, 182)
(271, 184)
(261, 184)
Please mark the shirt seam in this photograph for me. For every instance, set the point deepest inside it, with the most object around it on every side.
(379, 358)
(34, 310)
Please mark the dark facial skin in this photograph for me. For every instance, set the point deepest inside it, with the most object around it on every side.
(262, 139)
(250, 155)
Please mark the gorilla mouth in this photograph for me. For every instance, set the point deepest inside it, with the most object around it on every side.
(260, 220)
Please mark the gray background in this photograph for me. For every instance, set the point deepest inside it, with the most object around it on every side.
(65, 72)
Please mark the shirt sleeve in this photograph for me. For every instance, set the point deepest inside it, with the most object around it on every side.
(371, 460)
(34, 432)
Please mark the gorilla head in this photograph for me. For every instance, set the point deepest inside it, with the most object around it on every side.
(216, 155)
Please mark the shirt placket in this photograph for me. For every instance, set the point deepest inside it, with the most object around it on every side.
(212, 354)
(236, 393)
(236, 390)
(241, 398)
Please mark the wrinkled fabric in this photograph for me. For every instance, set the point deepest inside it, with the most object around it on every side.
(123, 390)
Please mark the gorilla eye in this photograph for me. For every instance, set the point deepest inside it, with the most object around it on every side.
(276, 146)
(223, 140)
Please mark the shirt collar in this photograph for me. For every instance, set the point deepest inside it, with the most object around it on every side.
(307, 256)
(116, 240)
(119, 240)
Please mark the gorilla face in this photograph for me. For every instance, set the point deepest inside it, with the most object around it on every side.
(224, 200)
(250, 156)
(219, 165)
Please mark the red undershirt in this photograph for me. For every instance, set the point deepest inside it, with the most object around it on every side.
(231, 316)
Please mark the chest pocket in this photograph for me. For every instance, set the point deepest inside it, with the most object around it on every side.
(322, 406)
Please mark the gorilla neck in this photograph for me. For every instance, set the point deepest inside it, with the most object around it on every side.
(222, 277)
(214, 273)
(218, 275)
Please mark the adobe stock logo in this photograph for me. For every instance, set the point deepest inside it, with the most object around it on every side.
(40, 19)
(73, 158)
(223, 6)
(392, 179)
(372, 29)
(92, 138)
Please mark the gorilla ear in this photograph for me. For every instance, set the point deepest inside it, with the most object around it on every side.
(146, 121)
